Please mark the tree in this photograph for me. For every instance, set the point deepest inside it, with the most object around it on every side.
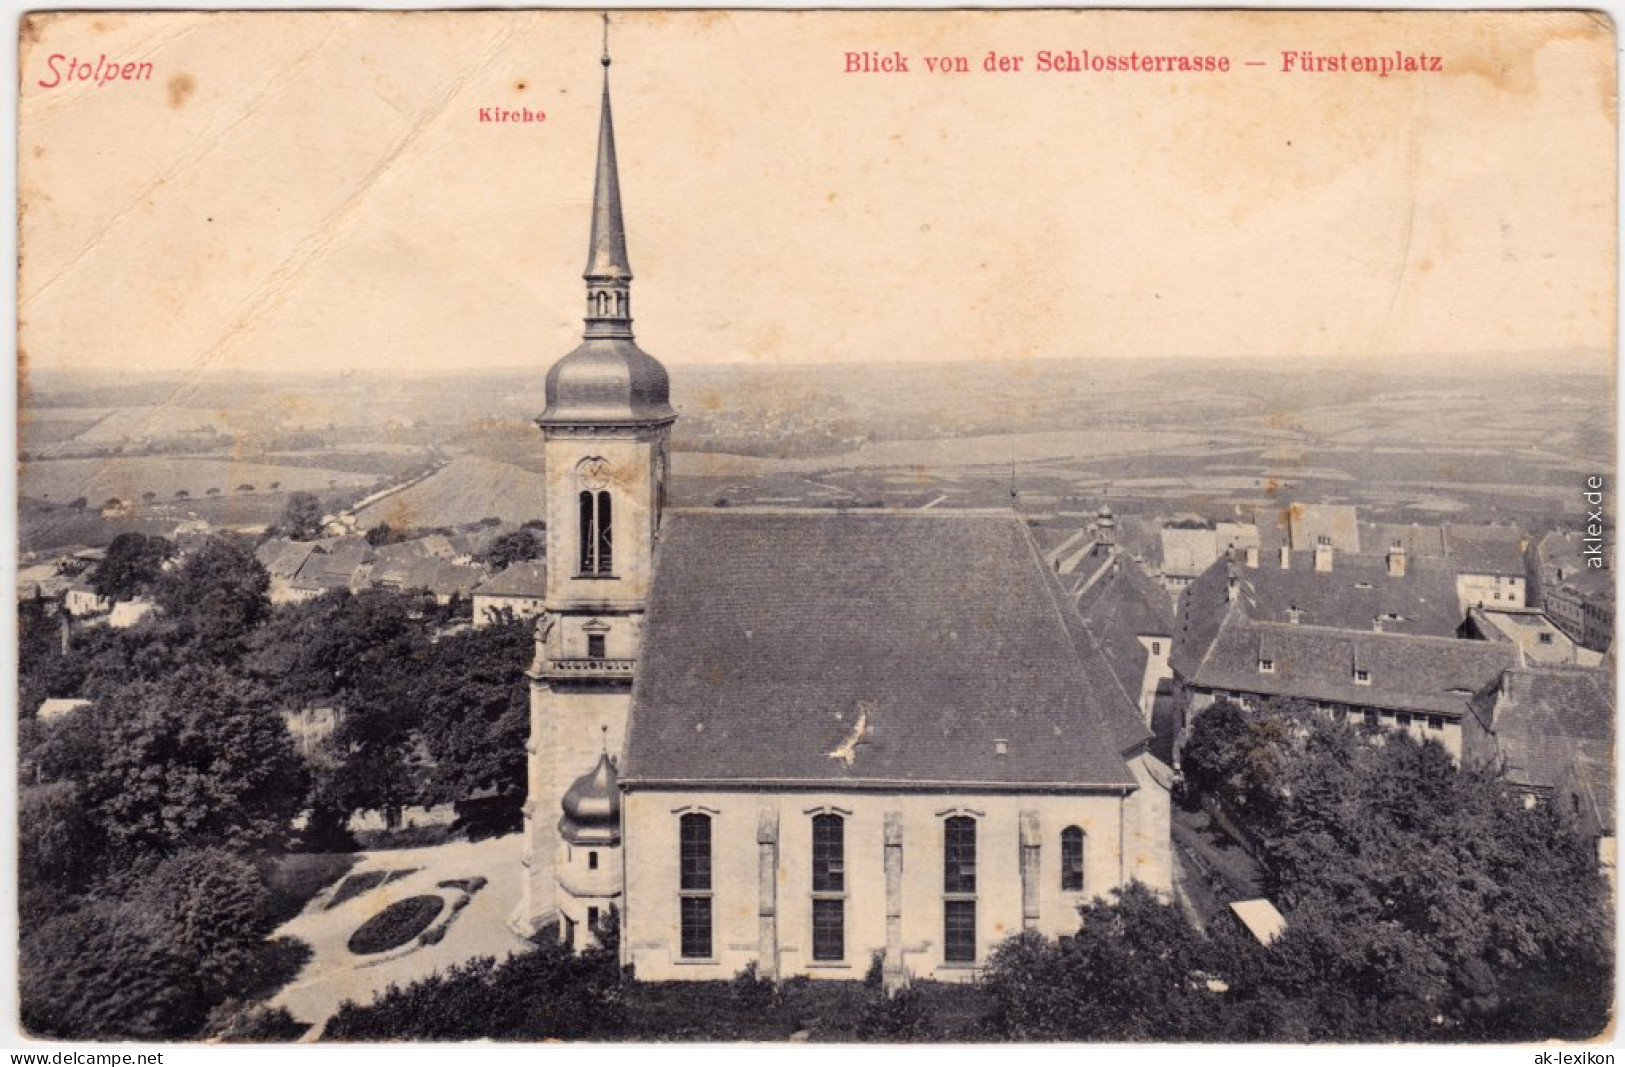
(218, 595)
(59, 847)
(1424, 902)
(196, 760)
(510, 548)
(216, 910)
(363, 654)
(302, 516)
(338, 647)
(1133, 972)
(384, 534)
(475, 714)
(133, 562)
(102, 972)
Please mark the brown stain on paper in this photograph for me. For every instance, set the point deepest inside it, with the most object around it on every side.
(181, 86)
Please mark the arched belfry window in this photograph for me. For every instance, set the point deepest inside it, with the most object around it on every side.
(596, 518)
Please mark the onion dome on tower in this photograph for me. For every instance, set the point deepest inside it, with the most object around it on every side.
(608, 378)
(592, 806)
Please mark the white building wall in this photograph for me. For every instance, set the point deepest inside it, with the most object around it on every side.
(651, 939)
(1489, 591)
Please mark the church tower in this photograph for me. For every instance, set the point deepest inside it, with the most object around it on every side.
(606, 436)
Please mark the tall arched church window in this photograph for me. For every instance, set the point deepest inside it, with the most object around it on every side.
(829, 887)
(959, 890)
(694, 885)
(1072, 859)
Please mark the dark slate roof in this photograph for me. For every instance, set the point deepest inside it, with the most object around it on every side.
(911, 640)
(1357, 591)
(1554, 729)
(1119, 702)
(1592, 780)
(1417, 540)
(1425, 674)
(1203, 609)
(334, 567)
(282, 557)
(1486, 549)
(1119, 606)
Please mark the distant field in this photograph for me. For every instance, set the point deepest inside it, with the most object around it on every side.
(937, 454)
(466, 489)
(129, 477)
(124, 424)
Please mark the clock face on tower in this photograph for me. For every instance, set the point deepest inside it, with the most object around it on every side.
(594, 473)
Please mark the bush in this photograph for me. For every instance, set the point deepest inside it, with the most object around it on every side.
(904, 1017)
(395, 925)
(751, 991)
(544, 994)
(215, 914)
(875, 976)
(103, 973)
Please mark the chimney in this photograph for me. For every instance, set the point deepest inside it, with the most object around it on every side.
(1286, 558)
(1396, 560)
(1252, 556)
(1323, 554)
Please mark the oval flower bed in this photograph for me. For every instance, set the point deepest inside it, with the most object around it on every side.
(395, 925)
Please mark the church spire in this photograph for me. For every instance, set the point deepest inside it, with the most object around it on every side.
(609, 273)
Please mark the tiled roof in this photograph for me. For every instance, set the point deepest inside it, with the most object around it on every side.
(1486, 549)
(866, 648)
(333, 568)
(1417, 540)
(1354, 594)
(1118, 607)
(525, 578)
(1591, 778)
(1424, 674)
(1554, 726)
(435, 575)
(282, 558)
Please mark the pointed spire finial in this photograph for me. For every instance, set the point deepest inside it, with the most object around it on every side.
(609, 272)
(605, 726)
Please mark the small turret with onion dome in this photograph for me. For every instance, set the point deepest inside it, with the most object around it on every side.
(589, 861)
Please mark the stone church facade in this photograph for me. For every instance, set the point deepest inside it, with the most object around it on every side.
(803, 739)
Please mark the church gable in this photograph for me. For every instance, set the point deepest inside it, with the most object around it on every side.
(865, 648)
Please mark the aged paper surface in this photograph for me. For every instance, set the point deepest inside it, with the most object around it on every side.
(1158, 272)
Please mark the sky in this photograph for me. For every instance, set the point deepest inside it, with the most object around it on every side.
(315, 192)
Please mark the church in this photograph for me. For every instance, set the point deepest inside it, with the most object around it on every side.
(803, 739)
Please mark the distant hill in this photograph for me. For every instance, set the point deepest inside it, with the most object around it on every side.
(466, 489)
